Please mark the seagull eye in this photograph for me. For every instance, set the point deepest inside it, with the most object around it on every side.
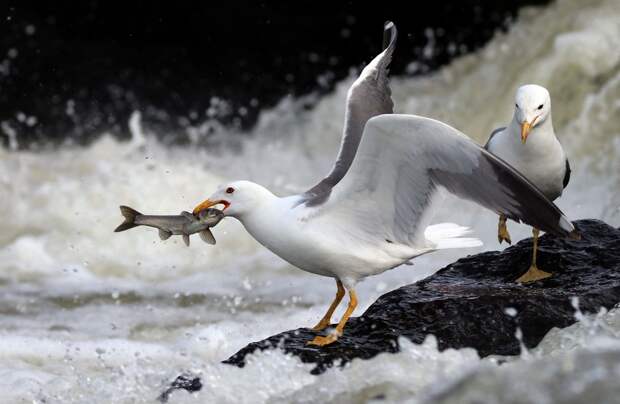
(230, 190)
(517, 105)
(540, 106)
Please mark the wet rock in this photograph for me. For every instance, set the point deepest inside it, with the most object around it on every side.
(475, 302)
(185, 381)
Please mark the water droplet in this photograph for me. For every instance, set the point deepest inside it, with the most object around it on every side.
(510, 311)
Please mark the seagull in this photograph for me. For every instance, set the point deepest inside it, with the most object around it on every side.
(529, 144)
(370, 213)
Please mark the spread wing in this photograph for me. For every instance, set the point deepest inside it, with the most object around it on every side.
(401, 162)
(369, 96)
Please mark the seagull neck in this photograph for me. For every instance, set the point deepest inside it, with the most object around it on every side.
(268, 220)
(261, 202)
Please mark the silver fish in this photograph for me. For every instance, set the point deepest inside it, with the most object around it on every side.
(184, 224)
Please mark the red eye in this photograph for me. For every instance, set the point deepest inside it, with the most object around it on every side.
(230, 190)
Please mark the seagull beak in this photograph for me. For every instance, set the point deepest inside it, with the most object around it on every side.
(526, 127)
(208, 203)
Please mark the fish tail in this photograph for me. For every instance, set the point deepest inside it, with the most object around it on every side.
(130, 218)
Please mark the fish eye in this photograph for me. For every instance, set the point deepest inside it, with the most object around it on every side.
(540, 106)
(230, 190)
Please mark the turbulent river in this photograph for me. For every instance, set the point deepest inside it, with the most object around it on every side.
(90, 316)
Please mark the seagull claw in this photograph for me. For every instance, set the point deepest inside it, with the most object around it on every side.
(321, 340)
(532, 275)
(504, 237)
(502, 231)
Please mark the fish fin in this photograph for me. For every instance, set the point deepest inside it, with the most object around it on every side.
(130, 217)
(164, 235)
(186, 239)
(207, 236)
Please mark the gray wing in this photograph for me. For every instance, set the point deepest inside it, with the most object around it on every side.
(369, 96)
(401, 162)
(495, 132)
(566, 174)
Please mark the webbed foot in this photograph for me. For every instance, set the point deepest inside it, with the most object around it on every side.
(533, 274)
(502, 231)
(321, 340)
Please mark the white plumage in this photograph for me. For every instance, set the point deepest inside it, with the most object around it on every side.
(529, 144)
(540, 158)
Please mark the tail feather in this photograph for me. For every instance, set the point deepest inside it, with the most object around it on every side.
(449, 235)
(130, 218)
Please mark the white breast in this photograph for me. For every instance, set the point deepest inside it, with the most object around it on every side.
(541, 159)
(314, 245)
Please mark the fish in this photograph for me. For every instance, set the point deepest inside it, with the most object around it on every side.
(184, 224)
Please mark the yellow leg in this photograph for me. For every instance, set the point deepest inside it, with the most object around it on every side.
(502, 230)
(328, 339)
(327, 318)
(533, 274)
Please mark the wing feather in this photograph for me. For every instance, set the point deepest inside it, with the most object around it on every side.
(404, 159)
(369, 96)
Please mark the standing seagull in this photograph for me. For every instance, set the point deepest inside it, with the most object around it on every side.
(530, 146)
(370, 213)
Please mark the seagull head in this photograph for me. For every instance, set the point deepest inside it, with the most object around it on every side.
(237, 198)
(532, 107)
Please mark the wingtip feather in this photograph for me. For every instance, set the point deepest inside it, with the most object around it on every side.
(389, 34)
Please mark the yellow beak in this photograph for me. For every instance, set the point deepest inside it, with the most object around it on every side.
(208, 203)
(526, 127)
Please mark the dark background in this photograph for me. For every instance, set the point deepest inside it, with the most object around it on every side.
(70, 70)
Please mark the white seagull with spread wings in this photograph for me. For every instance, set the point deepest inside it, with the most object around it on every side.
(371, 212)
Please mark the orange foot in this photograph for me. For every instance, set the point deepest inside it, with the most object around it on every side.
(321, 340)
(533, 274)
(502, 233)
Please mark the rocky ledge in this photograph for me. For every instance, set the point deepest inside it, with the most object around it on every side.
(473, 302)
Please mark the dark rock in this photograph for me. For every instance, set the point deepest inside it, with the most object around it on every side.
(464, 304)
(186, 381)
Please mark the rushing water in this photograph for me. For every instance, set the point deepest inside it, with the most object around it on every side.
(89, 316)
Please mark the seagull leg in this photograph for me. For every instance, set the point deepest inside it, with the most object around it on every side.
(533, 274)
(327, 318)
(332, 337)
(502, 230)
